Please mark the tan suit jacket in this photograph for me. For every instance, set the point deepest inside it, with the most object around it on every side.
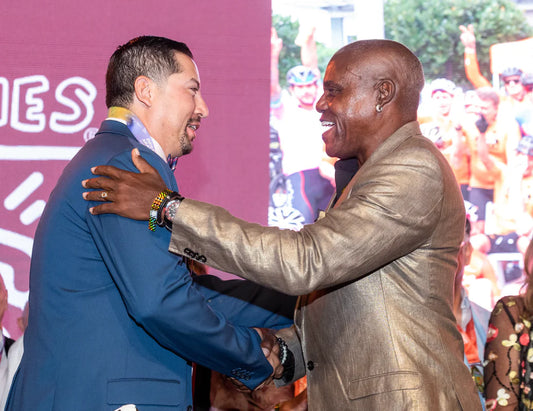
(375, 324)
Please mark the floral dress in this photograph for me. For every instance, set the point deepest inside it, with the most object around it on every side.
(509, 357)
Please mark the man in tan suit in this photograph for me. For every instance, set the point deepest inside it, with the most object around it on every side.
(374, 326)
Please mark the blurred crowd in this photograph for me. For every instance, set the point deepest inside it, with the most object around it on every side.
(486, 133)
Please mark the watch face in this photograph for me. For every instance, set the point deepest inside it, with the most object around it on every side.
(172, 206)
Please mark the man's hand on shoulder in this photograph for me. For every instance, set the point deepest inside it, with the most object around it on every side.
(125, 193)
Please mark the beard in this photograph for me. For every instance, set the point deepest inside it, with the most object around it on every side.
(185, 144)
(185, 141)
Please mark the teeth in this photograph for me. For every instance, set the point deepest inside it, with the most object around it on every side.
(192, 127)
(327, 124)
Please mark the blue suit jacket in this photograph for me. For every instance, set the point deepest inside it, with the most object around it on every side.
(114, 317)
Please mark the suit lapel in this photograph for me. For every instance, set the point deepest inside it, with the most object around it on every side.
(345, 172)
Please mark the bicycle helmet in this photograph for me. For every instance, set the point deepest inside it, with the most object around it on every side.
(511, 71)
(302, 76)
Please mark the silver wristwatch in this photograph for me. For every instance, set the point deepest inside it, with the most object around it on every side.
(171, 207)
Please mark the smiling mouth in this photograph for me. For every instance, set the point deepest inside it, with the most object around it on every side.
(327, 124)
(191, 130)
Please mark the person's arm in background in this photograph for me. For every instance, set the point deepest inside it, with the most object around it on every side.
(513, 136)
(493, 166)
(473, 74)
(308, 53)
(459, 149)
(276, 44)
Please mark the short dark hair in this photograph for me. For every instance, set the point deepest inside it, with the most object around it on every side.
(150, 56)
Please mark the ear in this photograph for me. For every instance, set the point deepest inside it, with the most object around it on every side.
(144, 90)
(386, 91)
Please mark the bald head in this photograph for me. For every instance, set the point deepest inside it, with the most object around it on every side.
(387, 60)
(371, 89)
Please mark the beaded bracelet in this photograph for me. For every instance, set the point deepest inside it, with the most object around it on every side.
(283, 349)
(152, 222)
(286, 359)
(167, 210)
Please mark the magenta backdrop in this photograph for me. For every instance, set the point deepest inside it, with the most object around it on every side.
(52, 97)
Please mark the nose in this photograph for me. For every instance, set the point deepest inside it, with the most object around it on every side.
(201, 106)
(321, 105)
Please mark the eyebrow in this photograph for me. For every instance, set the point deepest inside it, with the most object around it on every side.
(331, 84)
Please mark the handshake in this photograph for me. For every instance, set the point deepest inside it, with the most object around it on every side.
(278, 355)
(229, 393)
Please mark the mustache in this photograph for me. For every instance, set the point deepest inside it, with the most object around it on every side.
(195, 119)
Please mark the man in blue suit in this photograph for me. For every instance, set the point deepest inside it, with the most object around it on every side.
(114, 317)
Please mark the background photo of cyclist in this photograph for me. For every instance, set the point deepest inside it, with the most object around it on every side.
(305, 182)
